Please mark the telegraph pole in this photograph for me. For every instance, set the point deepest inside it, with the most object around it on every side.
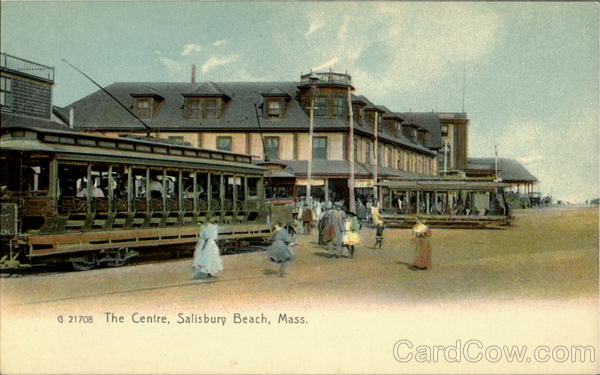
(313, 91)
(376, 152)
(496, 163)
(351, 204)
(445, 157)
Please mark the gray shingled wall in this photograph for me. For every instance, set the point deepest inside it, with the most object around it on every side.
(31, 99)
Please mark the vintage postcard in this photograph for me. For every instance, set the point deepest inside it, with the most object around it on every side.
(299, 187)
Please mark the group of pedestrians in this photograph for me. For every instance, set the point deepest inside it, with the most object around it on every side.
(338, 231)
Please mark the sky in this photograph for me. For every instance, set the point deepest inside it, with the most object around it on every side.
(530, 70)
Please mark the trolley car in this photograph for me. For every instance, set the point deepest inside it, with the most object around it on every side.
(445, 202)
(88, 199)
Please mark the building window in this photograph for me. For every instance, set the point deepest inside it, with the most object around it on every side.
(320, 148)
(356, 155)
(272, 148)
(444, 130)
(224, 143)
(356, 114)
(199, 108)
(339, 107)
(176, 139)
(212, 111)
(6, 92)
(368, 153)
(322, 109)
(389, 156)
(379, 157)
(143, 108)
(193, 109)
(273, 109)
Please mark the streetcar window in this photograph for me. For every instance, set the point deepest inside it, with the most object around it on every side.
(215, 186)
(139, 183)
(72, 180)
(202, 185)
(25, 175)
(253, 187)
(99, 185)
(118, 182)
(241, 192)
(172, 185)
(229, 182)
(157, 184)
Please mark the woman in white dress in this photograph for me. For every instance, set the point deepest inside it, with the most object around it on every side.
(207, 259)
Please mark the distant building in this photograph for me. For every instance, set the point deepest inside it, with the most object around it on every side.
(509, 170)
(232, 116)
(26, 93)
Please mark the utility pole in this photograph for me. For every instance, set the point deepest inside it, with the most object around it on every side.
(376, 152)
(496, 179)
(313, 91)
(351, 204)
(445, 157)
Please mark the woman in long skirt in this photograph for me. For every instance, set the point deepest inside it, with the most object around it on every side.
(420, 238)
(351, 236)
(207, 260)
(280, 251)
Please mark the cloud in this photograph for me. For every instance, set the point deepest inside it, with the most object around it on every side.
(400, 47)
(326, 64)
(219, 43)
(172, 65)
(190, 48)
(315, 22)
(554, 157)
(217, 61)
(530, 159)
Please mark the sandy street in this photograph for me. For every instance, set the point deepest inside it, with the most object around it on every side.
(534, 283)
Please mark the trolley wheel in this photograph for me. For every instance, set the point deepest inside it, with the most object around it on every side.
(120, 258)
(84, 263)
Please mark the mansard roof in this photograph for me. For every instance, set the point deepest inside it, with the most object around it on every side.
(99, 112)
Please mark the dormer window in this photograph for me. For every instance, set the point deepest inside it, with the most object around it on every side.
(274, 103)
(212, 110)
(199, 108)
(146, 103)
(444, 130)
(143, 108)
(410, 131)
(357, 113)
(206, 102)
(357, 110)
(274, 109)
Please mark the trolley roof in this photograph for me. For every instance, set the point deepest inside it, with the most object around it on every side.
(102, 148)
(443, 184)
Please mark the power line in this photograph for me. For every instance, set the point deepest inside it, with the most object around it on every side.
(146, 126)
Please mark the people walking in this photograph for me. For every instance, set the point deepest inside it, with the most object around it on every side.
(338, 224)
(351, 236)
(420, 238)
(308, 218)
(280, 252)
(207, 261)
(322, 226)
(361, 211)
(378, 221)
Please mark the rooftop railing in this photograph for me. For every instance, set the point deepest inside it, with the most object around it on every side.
(27, 67)
(328, 77)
